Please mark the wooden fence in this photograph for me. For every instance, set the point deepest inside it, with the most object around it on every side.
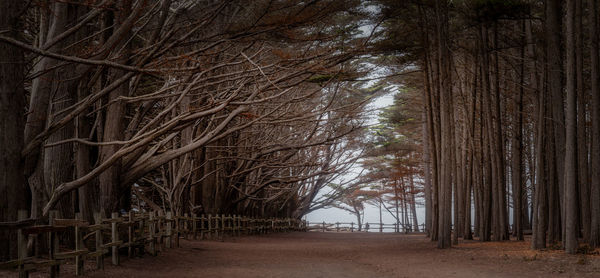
(148, 232)
(375, 226)
(366, 227)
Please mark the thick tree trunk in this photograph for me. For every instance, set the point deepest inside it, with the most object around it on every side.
(429, 146)
(58, 160)
(39, 101)
(445, 194)
(540, 212)
(501, 230)
(13, 189)
(582, 149)
(455, 198)
(469, 157)
(555, 86)
(517, 159)
(87, 194)
(554, 211)
(571, 196)
(490, 217)
(112, 188)
(428, 182)
(595, 108)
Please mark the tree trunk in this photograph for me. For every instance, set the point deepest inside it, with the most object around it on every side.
(490, 216)
(555, 86)
(413, 205)
(429, 146)
(39, 101)
(582, 149)
(595, 156)
(13, 189)
(570, 170)
(517, 159)
(445, 196)
(111, 187)
(428, 182)
(501, 230)
(540, 212)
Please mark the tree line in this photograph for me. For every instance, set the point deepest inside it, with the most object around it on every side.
(242, 107)
(511, 106)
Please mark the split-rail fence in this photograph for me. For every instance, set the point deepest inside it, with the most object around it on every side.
(147, 232)
(366, 227)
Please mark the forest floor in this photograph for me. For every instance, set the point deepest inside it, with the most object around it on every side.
(316, 254)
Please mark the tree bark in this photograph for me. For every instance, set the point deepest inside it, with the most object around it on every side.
(540, 212)
(571, 197)
(595, 108)
(445, 196)
(582, 149)
(501, 230)
(517, 159)
(13, 189)
(111, 186)
(555, 86)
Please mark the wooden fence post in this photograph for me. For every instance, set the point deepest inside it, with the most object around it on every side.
(230, 225)
(177, 228)
(161, 232)
(169, 229)
(233, 225)
(130, 236)
(186, 225)
(202, 218)
(78, 246)
(216, 227)
(98, 234)
(244, 225)
(194, 230)
(323, 226)
(53, 244)
(141, 226)
(151, 230)
(223, 218)
(337, 227)
(352, 227)
(22, 245)
(115, 238)
(209, 221)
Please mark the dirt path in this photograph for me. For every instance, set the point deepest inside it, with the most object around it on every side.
(350, 255)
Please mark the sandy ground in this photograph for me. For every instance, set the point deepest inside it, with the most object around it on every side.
(317, 254)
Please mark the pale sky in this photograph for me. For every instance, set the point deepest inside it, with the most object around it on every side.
(332, 215)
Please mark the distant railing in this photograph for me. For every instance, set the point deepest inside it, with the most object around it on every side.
(366, 227)
(378, 227)
(149, 232)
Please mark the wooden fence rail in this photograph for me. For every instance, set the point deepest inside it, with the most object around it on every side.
(147, 232)
(351, 227)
